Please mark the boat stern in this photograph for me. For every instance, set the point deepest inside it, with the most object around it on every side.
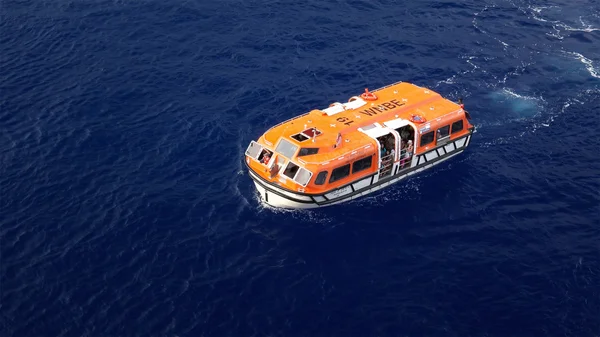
(275, 183)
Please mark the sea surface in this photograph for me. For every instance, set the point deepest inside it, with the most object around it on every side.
(126, 210)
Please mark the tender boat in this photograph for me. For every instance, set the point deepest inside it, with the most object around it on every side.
(326, 157)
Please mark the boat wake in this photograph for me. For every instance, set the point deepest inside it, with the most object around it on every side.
(523, 106)
(517, 97)
(546, 120)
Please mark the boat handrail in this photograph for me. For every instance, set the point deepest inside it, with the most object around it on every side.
(386, 163)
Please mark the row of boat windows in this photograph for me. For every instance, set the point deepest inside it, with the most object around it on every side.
(344, 171)
(365, 163)
(444, 131)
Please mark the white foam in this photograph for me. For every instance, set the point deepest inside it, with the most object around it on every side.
(451, 79)
(311, 216)
(476, 14)
(550, 119)
(474, 22)
(538, 9)
(529, 98)
(557, 25)
(518, 71)
(587, 62)
(556, 33)
(473, 64)
(587, 29)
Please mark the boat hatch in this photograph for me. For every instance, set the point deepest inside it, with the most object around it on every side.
(254, 150)
(307, 134)
(375, 130)
(335, 108)
(297, 173)
(312, 132)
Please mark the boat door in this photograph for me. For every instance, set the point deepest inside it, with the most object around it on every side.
(387, 140)
(406, 131)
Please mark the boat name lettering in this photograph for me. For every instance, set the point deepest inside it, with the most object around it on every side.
(382, 107)
(373, 111)
(344, 120)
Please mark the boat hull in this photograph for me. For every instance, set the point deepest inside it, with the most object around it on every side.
(275, 196)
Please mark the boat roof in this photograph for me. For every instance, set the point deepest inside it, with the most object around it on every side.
(400, 100)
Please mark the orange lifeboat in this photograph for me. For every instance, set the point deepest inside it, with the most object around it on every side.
(339, 153)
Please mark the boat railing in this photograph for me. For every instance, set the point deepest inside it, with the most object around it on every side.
(405, 157)
(386, 165)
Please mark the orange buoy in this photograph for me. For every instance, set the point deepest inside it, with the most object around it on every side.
(369, 96)
(417, 119)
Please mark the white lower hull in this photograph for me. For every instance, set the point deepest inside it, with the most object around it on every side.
(279, 198)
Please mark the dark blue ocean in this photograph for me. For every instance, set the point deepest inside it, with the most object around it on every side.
(126, 209)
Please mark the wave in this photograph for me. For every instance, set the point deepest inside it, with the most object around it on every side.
(587, 62)
(559, 26)
(474, 23)
(514, 94)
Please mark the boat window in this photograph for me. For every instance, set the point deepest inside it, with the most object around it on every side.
(321, 177)
(305, 151)
(443, 132)
(427, 138)
(362, 164)
(286, 148)
(253, 150)
(299, 137)
(290, 170)
(457, 126)
(265, 156)
(339, 173)
(303, 176)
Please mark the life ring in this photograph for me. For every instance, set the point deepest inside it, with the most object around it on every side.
(417, 119)
(368, 96)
